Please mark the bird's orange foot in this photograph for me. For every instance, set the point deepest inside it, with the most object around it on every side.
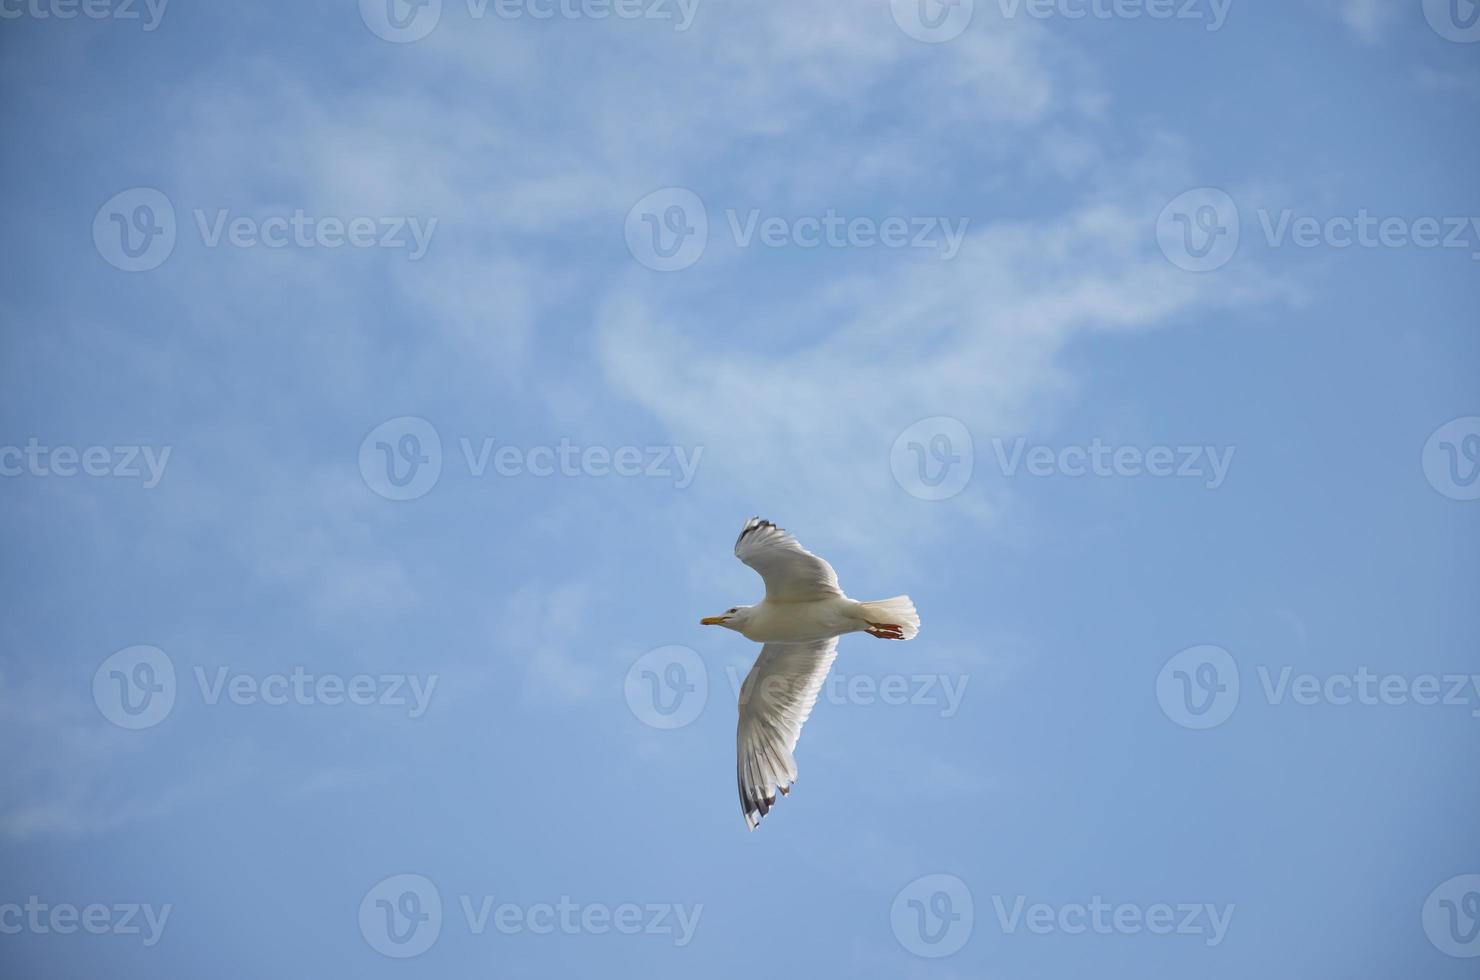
(886, 631)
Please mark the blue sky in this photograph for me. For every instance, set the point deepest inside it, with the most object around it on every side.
(380, 405)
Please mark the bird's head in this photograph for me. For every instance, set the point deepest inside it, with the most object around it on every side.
(732, 619)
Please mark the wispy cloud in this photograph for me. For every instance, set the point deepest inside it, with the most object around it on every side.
(542, 628)
(1367, 18)
(849, 364)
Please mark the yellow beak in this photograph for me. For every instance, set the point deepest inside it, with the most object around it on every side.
(712, 621)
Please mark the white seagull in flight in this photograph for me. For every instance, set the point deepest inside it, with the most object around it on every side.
(799, 621)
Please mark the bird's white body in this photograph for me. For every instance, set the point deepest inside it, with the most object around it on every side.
(799, 621)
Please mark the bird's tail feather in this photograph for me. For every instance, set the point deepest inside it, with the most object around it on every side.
(899, 611)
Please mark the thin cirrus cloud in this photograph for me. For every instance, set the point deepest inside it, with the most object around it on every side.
(1369, 18)
(530, 215)
(979, 338)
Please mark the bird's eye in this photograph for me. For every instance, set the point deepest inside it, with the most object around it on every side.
(731, 611)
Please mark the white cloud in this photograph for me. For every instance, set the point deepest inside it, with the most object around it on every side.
(815, 406)
(543, 628)
(69, 772)
(1367, 18)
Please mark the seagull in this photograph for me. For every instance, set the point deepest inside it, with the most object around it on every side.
(799, 622)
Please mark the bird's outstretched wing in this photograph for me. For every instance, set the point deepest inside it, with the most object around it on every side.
(791, 572)
(775, 700)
